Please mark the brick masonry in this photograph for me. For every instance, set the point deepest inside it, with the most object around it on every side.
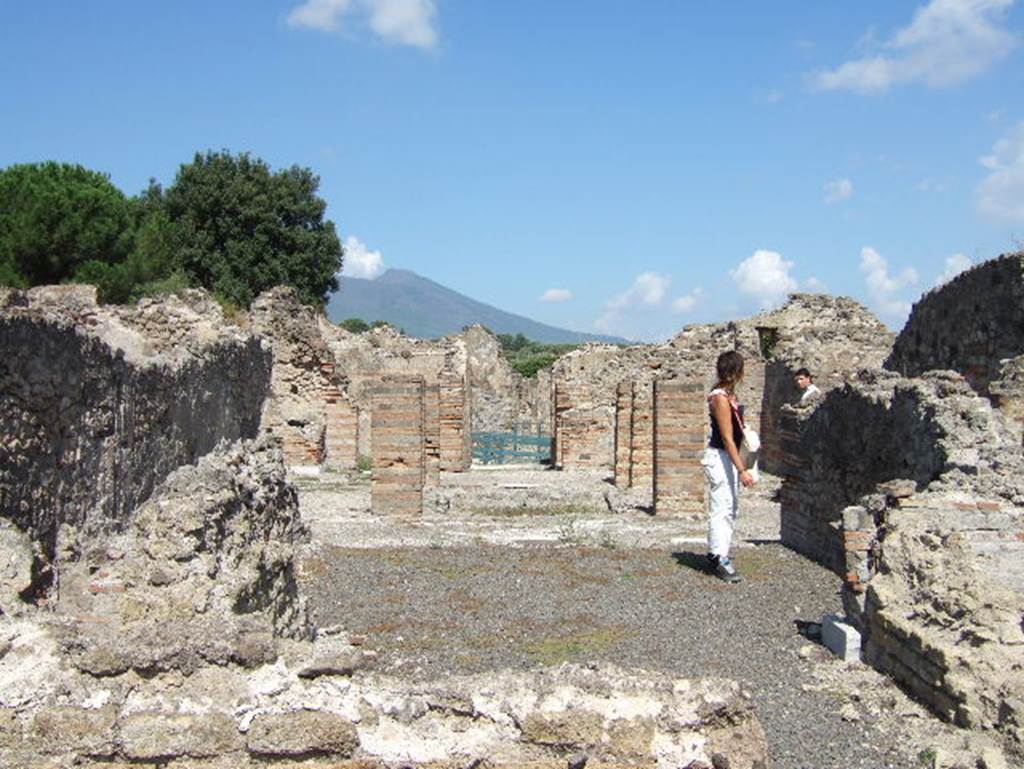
(342, 426)
(580, 431)
(398, 446)
(679, 418)
(624, 435)
(432, 434)
(455, 420)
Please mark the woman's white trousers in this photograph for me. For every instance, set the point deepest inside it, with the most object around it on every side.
(724, 507)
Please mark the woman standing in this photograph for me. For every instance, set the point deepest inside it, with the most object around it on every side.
(723, 464)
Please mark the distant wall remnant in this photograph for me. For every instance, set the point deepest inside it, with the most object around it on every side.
(399, 457)
(969, 325)
(99, 404)
(308, 409)
(679, 417)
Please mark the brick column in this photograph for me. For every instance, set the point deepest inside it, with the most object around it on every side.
(642, 439)
(679, 424)
(398, 446)
(624, 435)
(580, 427)
(432, 434)
(341, 425)
(456, 438)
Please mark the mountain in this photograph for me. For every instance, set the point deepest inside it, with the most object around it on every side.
(425, 309)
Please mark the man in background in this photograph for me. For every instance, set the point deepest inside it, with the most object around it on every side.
(805, 382)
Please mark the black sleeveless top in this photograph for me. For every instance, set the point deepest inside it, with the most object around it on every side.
(716, 441)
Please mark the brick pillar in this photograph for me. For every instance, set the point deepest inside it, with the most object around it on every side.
(341, 427)
(397, 446)
(679, 423)
(432, 434)
(580, 429)
(624, 435)
(642, 438)
(455, 423)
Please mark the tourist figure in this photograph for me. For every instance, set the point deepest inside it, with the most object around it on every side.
(805, 382)
(723, 464)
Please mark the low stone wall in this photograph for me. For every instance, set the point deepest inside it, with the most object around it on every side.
(968, 325)
(98, 405)
(315, 708)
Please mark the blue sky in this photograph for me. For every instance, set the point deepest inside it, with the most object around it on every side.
(605, 166)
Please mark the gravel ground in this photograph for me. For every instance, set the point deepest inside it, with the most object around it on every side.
(434, 600)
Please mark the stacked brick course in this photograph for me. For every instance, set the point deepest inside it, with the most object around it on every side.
(581, 433)
(455, 419)
(398, 452)
(341, 434)
(679, 418)
(432, 434)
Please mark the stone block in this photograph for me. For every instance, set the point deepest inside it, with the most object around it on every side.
(576, 728)
(841, 638)
(302, 733)
(64, 729)
(154, 736)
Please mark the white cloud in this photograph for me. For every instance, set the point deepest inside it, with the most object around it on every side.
(405, 22)
(946, 43)
(688, 301)
(1000, 196)
(815, 286)
(359, 261)
(556, 295)
(883, 287)
(648, 289)
(647, 293)
(765, 277)
(837, 190)
(955, 264)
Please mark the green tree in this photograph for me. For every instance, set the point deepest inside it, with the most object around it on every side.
(151, 266)
(355, 325)
(56, 217)
(241, 229)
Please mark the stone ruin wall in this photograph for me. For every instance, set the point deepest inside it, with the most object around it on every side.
(178, 635)
(910, 489)
(308, 409)
(833, 337)
(587, 387)
(970, 325)
(504, 400)
(364, 361)
(99, 404)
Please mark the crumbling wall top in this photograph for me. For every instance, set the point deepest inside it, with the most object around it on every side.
(167, 330)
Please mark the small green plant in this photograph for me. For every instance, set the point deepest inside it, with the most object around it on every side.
(364, 463)
(927, 757)
(606, 540)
